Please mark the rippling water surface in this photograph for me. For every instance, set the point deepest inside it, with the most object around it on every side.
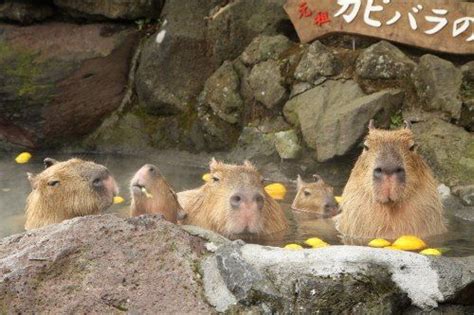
(14, 188)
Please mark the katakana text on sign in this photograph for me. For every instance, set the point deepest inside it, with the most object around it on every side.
(424, 23)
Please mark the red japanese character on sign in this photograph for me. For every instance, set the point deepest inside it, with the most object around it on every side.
(304, 10)
(321, 18)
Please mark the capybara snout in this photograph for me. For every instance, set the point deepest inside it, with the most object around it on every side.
(247, 200)
(330, 206)
(389, 175)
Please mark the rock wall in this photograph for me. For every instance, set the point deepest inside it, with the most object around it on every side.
(218, 75)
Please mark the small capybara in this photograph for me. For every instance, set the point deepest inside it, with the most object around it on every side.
(314, 199)
(391, 190)
(233, 203)
(151, 194)
(68, 189)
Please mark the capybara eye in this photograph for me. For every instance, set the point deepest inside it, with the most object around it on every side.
(152, 169)
(307, 193)
(215, 179)
(412, 147)
(53, 183)
(96, 182)
(366, 148)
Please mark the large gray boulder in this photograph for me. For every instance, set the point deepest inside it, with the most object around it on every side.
(337, 279)
(267, 84)
(438, 83)
(112, 9)
(55, 86)
(265, 47)
(222, 93)
(448, 149)
(102, 264)
(318, 61)
(334, 116)
(232, 26)
(175, 62)
(383, 61)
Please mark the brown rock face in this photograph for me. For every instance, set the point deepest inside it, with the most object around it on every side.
(102, 264)
(58, 80)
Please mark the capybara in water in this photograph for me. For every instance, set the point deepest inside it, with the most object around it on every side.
(233, 202)
(391, 190)
(151, 194)
(68, 189)
(314, 199)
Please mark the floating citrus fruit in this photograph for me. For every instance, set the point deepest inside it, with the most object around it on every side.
(431, 252)
(409, 242)
(23, 158)
(118, 199)
(276, 190)
(315, 242)
(379, 243)
(293, 246)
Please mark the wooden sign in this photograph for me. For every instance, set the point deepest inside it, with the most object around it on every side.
(445, 26)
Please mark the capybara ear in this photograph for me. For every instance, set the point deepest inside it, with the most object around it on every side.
(249, 164)
(407, 124)
(49, 162)
(317, 178)
(31, 179)
(371, 124)
(181, 215)
(299, 182)
(214, 164)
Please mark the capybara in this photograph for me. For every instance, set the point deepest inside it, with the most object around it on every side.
(68, 189)
(314, 199)
(391, 190)
(151, 194)
(234, 202)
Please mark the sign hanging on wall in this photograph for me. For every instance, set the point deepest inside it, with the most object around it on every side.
(445, 26)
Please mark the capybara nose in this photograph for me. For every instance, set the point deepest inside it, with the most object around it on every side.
(249, 199)
(235, 201)
(259, 200)
(151, 168)
(330, 205)
(388, 170)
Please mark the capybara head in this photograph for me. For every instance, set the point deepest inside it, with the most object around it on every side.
(391, 190)
(151, 194)
(315, 198)
(234, 202)
(68, 189)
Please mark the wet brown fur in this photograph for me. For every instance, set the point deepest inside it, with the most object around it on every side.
(311, 205)
(73, 196)
(417, 212)
(163, 200)
(208, 205)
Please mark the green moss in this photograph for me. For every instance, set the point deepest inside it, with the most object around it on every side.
(22, 69)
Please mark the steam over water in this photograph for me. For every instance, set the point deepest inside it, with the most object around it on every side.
(184, 172)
